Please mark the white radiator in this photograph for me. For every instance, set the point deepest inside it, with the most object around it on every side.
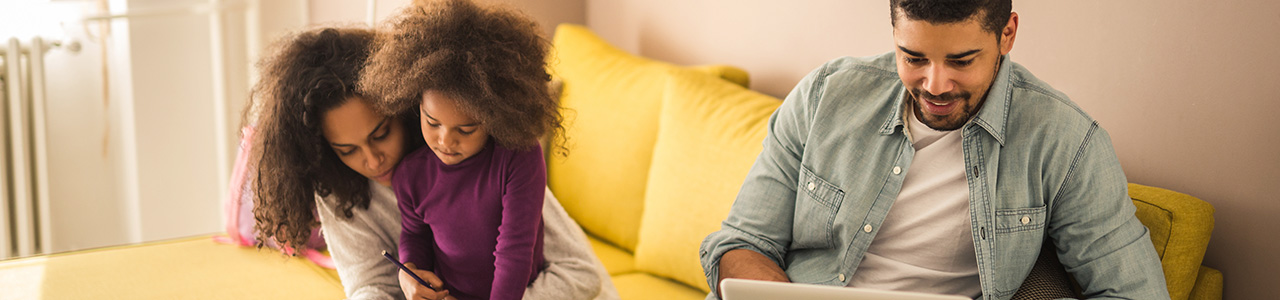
(24, 176)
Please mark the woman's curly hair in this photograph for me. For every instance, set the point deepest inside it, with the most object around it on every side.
(492, 60)
(306, 75)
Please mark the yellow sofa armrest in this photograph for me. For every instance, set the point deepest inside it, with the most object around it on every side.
(1180, 227)
(1208, 285)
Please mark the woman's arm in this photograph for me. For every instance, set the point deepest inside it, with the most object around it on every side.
(573, 271)
(356, 245)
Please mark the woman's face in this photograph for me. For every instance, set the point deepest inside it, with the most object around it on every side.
(452, 135)
(366, 141)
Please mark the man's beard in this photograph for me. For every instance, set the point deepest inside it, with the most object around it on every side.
(938, 122)
(957, 119)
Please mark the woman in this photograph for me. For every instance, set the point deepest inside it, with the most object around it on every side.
(321, 151)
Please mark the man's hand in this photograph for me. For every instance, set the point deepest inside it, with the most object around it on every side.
(747, 264)
(416, 291)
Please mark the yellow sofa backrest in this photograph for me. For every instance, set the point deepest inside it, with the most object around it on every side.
(1180, 226)
(610, 101)
(710, 133)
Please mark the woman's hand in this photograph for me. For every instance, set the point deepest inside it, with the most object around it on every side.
(415, 291)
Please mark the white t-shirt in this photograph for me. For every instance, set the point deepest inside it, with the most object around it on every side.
(925, 243)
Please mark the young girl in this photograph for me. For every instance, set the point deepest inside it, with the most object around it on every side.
(322, 150)
(469, 201)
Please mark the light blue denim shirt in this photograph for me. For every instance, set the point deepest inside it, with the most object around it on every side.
(1037, 166)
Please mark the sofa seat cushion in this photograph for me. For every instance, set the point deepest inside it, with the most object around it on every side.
(178, 269)
(645, 286)
(710, 132)
(616, 261)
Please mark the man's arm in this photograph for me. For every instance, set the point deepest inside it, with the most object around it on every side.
(1099, 239)
(753, 239)
(747, 264)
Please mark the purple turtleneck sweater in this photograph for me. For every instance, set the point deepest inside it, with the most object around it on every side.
(476, 224)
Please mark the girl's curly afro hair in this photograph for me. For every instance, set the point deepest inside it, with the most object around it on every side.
(490, 59)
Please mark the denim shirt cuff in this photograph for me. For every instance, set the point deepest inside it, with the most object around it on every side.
(728, 239)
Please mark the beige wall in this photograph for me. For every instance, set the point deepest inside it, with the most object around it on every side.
(1187, 91)
(546, 12)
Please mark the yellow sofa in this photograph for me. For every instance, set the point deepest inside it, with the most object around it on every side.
(657, 153)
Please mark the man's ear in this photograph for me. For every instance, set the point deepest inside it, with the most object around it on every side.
(1008, 34)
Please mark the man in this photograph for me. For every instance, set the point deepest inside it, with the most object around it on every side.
(943, 167)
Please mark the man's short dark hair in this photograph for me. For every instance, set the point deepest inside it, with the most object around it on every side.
(994, 14)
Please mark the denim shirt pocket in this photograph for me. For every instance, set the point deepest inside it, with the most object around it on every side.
(1018, 236)
(816, 206)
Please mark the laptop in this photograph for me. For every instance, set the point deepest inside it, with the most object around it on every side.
(743, 289)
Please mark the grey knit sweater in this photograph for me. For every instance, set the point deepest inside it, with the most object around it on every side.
(572, 271)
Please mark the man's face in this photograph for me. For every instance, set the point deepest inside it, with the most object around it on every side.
(948, 68)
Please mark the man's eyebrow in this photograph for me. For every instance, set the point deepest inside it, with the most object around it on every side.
(909, 52)
(949, 56)
(963, 54)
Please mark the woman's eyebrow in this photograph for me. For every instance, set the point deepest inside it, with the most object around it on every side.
(379, 127)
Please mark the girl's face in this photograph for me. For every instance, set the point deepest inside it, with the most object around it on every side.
(366, 141)
(452, 135)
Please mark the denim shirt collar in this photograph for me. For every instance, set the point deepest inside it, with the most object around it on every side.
(991, 117)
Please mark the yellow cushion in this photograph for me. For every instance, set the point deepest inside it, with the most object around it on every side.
(709, 135)
(180, 269)
(616, 261)
(611, 101)
(735, 75)
(643, 286)
(1180, 226)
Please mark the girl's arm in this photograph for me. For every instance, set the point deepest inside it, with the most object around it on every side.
(526, 181)
(417, 242)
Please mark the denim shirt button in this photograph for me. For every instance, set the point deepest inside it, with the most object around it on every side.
(897, 170)
(866, 228)
(1025, 220)
(841, 277)
(810, 185)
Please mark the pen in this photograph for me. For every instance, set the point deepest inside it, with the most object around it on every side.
(406, 270)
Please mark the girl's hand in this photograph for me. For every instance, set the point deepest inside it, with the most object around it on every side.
(416, 291)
